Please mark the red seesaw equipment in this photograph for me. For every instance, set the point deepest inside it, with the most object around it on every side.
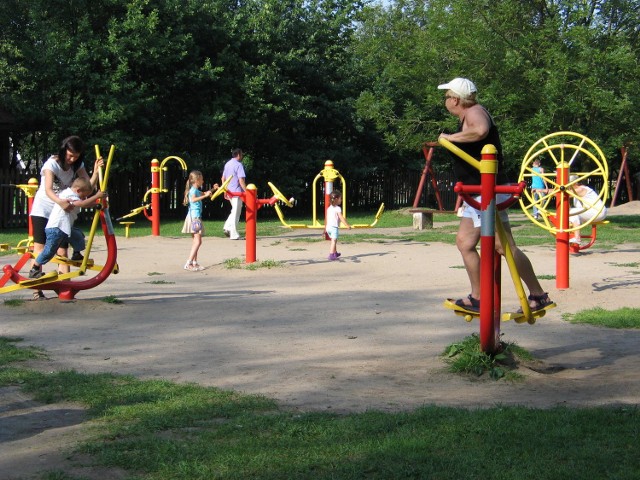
(63, 283)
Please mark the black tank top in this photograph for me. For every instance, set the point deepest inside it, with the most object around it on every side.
(468, 174)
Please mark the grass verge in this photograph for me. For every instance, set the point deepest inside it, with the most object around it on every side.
(158, 430)
(621, 318)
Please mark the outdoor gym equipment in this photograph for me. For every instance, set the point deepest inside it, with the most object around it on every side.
(252, 205)
(63, 284)
(30, 189)
(490, 263)
(571, 154)
(330, 176)
(157, 187)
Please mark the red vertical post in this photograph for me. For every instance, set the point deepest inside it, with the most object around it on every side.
(562, 224)
(251, 209)
(155, 197)
(489, 312)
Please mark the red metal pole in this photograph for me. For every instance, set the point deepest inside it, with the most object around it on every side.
(562, 224)
(251, 208)
(155, 197)
(489, 316)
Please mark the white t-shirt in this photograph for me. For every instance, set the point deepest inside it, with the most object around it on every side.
(42, 204)
(60, 218)
(333, 220)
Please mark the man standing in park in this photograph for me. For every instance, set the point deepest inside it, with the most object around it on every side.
(476, 129)
(234, 168)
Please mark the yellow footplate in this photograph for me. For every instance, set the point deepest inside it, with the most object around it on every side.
(520, 317)
(461, 311)
(46, 278)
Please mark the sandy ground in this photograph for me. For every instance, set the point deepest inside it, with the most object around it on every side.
(364, 332)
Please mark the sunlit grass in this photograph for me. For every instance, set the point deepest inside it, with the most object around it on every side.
(621, 318)
(159, 430)
(621, 230)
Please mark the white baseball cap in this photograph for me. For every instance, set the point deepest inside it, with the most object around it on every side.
(463, 87)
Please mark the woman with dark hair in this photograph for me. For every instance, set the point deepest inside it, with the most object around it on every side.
(57, 174)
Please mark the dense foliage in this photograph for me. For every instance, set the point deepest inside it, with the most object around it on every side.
(295, 82)
(540, 67)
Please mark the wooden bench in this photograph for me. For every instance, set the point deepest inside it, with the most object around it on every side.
(423, 217)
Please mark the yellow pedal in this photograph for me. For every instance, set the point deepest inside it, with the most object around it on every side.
(37, 281)
(461, 311)
(4, 247)
(68, 261)
(520, 317)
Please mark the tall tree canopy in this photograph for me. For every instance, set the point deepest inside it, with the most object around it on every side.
(294, 82)
(540, 67)
(193, 78)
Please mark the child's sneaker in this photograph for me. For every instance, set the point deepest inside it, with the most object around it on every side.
(338, 254)
(77, 257)
(36, 272)
(333, 256)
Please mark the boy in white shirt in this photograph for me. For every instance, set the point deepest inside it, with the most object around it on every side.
(60, 225)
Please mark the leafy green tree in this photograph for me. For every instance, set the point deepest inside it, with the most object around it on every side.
(540, 66)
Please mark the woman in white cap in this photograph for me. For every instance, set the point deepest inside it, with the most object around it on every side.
(476, 129)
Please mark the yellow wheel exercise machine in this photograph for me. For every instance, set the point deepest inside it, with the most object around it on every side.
(570, 154)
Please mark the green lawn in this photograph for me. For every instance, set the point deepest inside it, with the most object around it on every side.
(158, 430)
(621, 230)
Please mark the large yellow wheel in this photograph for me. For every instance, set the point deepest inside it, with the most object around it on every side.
(569, 150)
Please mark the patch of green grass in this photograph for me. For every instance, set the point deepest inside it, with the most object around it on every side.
(160, 282)
(14, 302)
(111, 299)
(467, 357)
(158, 430)
(626, 265)
(621, 318)
(231, 263)
(10, 353)
(546, 277)
(151, 274)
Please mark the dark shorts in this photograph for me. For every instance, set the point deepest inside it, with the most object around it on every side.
(39, 224)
